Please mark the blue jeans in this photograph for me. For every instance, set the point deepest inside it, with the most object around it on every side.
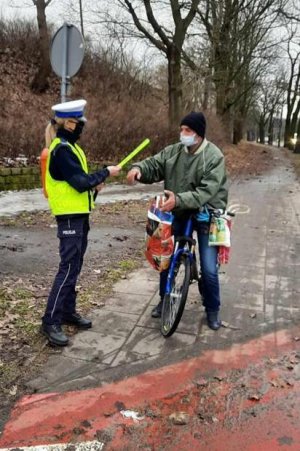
(208, 265)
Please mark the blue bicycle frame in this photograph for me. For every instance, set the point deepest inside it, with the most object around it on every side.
(178, 251)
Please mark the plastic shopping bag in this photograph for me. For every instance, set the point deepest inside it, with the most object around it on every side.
(159, 236)
(224, 251)
(223, 255)
(219, 232)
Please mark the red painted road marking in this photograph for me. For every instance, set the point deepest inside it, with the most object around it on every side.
(57, 417)
(85, 446)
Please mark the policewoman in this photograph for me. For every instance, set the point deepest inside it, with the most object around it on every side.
(70, 195)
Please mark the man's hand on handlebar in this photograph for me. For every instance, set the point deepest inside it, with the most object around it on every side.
(170, 203)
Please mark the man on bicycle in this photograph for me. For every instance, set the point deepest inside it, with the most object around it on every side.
(195, 181)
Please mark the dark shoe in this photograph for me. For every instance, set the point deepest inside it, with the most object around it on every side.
(54, 334)
(213, 320)
(76, 320)
(156, 312)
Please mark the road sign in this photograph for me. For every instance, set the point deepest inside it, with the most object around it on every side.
(66, 54)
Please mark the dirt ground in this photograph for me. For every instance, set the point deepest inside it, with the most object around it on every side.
(29, 259)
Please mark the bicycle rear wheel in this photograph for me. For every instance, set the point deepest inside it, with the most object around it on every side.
(174, 302)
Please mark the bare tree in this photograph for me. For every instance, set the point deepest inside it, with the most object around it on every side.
(290, 12)
(169, 39)
(269, 101)
(74, 13)
(293, 87)
(40, 80)
(238, 33)
(263, 108)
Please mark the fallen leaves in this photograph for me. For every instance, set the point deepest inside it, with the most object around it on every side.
(13, 390)
(179, 418)
(254, 397)
(229, 326)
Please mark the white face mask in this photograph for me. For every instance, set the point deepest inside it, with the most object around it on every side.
(188, 140)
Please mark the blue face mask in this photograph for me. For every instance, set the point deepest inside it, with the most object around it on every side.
(188, 140)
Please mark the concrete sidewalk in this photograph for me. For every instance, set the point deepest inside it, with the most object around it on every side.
(260, 294)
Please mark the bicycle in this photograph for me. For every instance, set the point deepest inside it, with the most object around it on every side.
(183, 271)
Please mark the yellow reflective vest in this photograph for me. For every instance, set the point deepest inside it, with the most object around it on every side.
(63, 198)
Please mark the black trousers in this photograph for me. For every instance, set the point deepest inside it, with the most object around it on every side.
(72, 234)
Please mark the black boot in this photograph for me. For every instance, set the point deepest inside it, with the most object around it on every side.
(156, 312)
(76, 320)
(213, 320)
(54, 334)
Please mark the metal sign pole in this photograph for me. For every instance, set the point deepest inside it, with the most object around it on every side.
(64, 63)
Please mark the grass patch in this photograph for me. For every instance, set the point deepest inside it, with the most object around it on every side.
(128, 265)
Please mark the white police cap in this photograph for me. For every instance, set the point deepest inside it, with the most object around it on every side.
(74, 108)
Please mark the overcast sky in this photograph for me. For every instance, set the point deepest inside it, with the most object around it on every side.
(58, 12)
(10, 9)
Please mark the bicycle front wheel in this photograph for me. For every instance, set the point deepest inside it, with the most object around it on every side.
(174, 302)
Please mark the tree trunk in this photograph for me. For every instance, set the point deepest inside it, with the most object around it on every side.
(261, 132)
(287, 133)
(207, 91)
(297, 146)
(81, 18)
(279, 129)
(271, 131)
(40, 82)
(220, 99)
(224, 113)
(294, 121)
(238, 130)
(174, 85)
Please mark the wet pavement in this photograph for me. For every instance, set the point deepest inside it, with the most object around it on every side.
(260, 312)
(14, 202)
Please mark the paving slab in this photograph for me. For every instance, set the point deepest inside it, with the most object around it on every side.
(67, 374)
(124, 303)
(95, 346)
(147, 342)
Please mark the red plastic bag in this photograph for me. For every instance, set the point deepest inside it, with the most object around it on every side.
(223, 255)
(224, 251)
(159, 237)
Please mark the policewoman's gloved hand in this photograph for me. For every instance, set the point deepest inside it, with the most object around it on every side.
(113, 170)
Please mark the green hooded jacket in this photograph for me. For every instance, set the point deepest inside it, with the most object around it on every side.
(196, 179)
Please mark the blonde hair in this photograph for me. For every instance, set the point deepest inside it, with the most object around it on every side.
(51, 129)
